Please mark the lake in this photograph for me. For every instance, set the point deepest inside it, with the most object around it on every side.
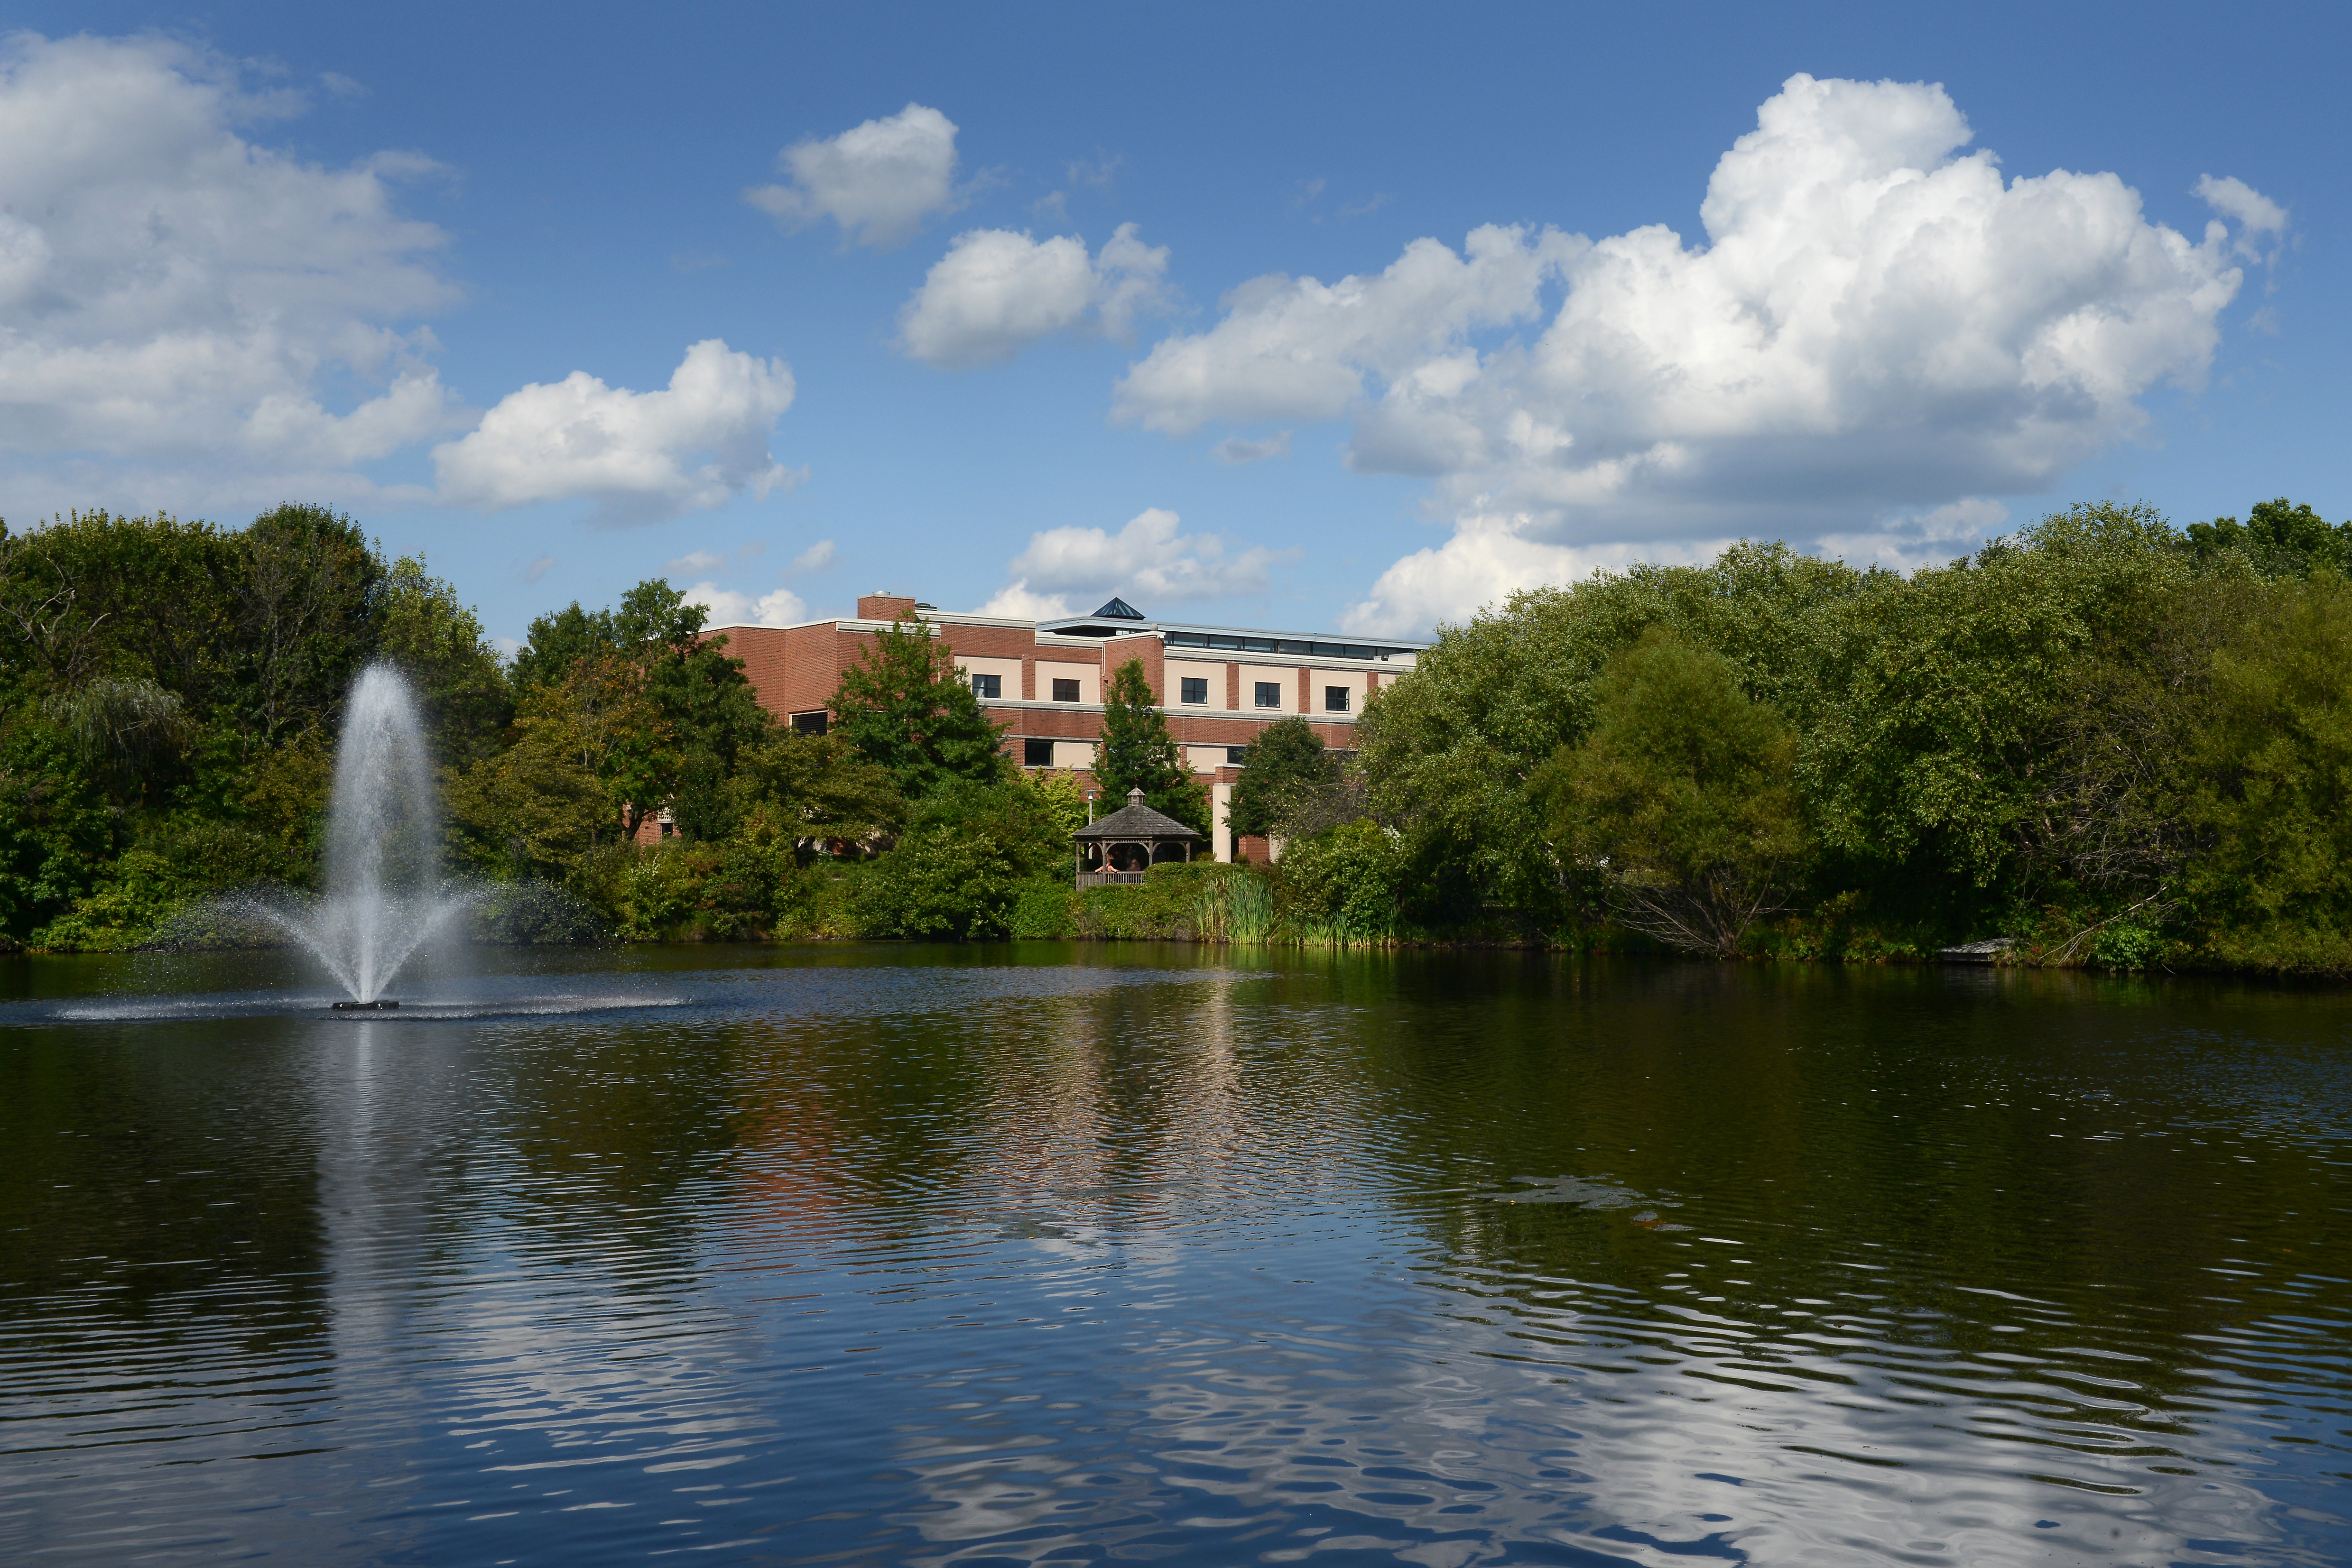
(1107, 1253)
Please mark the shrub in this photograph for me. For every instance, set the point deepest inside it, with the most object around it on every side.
(1042, 908)
(1345, 882)
(537, 913)
(939, 882)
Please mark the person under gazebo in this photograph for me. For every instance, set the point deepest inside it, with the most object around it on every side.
(1128, 843)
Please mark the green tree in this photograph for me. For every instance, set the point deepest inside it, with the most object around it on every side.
(1681, 799)
(1137, 753)
(306, 603)
(2278, 537)
(817, 789)
(1286, 760)
(559, 640)
(618, 733)
(961, 868)
(906, 707)
(2272, 890)
(538, 806)
(438, 644)
(1065, 799)
(1450, 750)
(709, 713)
(938, 882)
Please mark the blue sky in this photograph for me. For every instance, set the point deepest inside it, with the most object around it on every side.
(264, 252)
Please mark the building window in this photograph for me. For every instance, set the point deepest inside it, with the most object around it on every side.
(809, 723)
(1036, 754)
(988, 686)
(1066, 691)
(1236, 755)
(1335, 699)
(1269, 694)
(1196, 689)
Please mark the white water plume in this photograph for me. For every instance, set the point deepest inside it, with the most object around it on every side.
(384, 891)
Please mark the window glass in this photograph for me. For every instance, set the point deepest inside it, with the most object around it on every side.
(1269, 694)
(809, 723)
(1036, 754)
(1236, 755)
(988, 686)
(1196, 689)
(1335, 699)
(1066, 691)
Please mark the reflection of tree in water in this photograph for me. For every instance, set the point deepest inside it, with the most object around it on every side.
(140, 1185)
(1976, 1192)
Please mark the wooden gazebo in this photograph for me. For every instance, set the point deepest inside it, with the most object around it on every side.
(1128, 843)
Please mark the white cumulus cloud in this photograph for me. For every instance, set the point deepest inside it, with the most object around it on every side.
(877, 181)
(1151, 560)
(736, 607)
(728, 607)
(1878, 324)
(174, 294)
(639, 456)
(997, 291)
(1297, 349)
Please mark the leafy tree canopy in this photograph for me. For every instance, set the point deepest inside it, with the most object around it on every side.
(2279, 537)
(908, 709)
(1137, 752)
(1286, 761)
(438, 643)
(1681, 798)
(818, 790)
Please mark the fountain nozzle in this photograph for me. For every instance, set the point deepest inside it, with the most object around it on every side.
(376, 1007)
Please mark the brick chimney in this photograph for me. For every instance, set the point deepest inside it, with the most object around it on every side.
(879, 606)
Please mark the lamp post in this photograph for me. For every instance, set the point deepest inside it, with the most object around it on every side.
(1090, 805)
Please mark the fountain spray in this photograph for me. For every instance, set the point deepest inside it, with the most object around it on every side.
(385, 894)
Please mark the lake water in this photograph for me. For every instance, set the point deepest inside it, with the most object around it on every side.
(1107, 1254)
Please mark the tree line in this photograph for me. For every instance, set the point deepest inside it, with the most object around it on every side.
(2102, 739)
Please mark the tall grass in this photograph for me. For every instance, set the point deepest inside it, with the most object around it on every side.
(1236, 908)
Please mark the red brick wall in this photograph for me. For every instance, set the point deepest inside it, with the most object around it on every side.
(1119, 650)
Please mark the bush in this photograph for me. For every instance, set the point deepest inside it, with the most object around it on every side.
(1043, 908)
(2126, 945)
(1344, 883)
(685, 891)
(536, 914)
(939, 883)
(1173, 903)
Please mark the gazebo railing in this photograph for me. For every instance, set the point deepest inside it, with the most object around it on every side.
(1108, 878)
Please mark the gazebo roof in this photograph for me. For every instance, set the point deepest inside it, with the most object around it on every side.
(1136, 820)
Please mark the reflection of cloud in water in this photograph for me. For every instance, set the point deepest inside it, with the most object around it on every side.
(1386, 1438)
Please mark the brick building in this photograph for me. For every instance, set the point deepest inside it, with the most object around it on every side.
(1042, 681)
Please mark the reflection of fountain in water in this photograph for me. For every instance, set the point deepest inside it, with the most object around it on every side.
(384, 894)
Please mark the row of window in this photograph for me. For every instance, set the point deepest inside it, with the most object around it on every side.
(1036, 753)
(1277, 646)
(1192, 689)
(992, 688)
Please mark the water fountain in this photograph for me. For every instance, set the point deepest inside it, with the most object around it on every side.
(385, 894)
